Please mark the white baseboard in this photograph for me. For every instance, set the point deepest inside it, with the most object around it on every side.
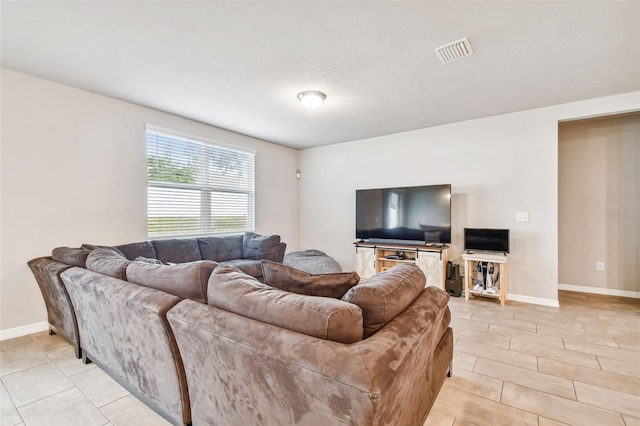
(23, 330)
(533, 300)
(599, 290)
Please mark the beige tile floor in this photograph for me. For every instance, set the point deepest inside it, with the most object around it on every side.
(518, 365)
(534, 365)
(42, 383)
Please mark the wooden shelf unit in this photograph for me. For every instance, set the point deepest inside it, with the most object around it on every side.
(372, 258)
(470, 262)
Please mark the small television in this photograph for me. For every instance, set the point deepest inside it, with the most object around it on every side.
(484, 239)
(404, 215)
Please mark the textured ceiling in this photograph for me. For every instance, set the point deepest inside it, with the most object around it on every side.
(239, 65)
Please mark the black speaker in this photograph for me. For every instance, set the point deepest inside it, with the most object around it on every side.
(454, 287)
(455, 272)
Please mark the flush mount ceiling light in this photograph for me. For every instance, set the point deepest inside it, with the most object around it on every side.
(311, 99)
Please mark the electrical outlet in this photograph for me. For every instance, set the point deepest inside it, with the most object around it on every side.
(522, 217)
(599, 266)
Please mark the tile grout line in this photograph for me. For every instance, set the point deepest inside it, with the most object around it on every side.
(13, 402)
(75, 385)
(557, 396)
(105, 414)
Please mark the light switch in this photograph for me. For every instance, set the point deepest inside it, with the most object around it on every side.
(522, 217)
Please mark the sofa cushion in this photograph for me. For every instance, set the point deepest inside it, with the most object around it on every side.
(385, 295)
(148, 260)
(71, 256)
(108, 262)
(255, 246)
(222, 248)
(248, 266)
(296, 281)
(188, 280)
(177, 250)
(133, 250)
(94, 247)
(325, 318)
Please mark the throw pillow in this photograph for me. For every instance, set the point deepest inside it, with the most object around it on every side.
(386, 295)
(296, 281)
(255, 246)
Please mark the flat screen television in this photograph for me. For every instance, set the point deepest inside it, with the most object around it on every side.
(484, 239)
(409, 215)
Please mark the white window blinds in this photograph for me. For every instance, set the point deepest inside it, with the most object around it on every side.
(197, 188)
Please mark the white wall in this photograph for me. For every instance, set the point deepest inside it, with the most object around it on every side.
(74, 170)
(497, 166)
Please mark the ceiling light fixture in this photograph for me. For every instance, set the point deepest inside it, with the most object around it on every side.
(311, 99)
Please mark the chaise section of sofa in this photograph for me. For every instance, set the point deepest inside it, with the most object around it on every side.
(124, 329)
(244, 368)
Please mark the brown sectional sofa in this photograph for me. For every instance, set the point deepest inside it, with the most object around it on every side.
(205, 342)
(228, 249)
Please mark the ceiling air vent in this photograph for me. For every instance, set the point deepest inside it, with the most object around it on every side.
(451, 52)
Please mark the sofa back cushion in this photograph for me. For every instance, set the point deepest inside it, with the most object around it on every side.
(296, 281)
(108, 262)
(232, 290)
(187, 280)
(255, 246)
(133, 250)
(385, 295)
(86, 246)
(222, 248)
(71, 256)
(248, 266)
(177, 250)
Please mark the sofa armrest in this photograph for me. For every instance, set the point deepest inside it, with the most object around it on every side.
(60, 312)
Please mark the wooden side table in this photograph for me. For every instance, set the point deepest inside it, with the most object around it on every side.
(472, 259)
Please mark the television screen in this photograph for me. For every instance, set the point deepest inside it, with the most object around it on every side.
(486, 239)
(415, 214)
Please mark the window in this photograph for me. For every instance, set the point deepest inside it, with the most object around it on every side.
(197, 188)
